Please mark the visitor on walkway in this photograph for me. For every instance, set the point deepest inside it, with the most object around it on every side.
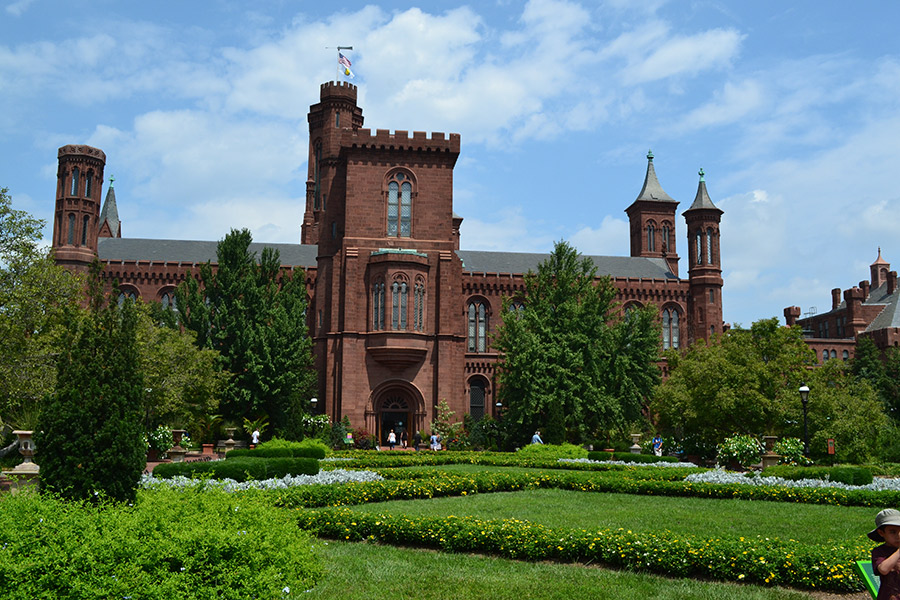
(392, 439)
(404, 439)
(536, 438)
(254, 437)
(417, 439)
(657, 445)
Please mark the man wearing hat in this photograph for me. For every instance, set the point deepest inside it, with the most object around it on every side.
(886, 557)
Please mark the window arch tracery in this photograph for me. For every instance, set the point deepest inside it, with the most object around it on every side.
(478, 312)
(671, 328)
(400, 194)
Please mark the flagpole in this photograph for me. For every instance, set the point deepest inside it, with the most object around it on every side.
(338, 67)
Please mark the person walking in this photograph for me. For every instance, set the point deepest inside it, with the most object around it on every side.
(392, 439)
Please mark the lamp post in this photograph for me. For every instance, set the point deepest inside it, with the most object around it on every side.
(312, 404)
(804, 399)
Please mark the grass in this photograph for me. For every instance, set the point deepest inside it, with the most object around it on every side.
(382, 572)
(807, 523)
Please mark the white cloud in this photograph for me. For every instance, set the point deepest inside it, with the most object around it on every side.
(732, 103)
(510, 230)
(18, 8)
(610, 239)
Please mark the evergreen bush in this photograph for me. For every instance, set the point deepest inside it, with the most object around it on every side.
(295, 452)
(629, 457)
(89, 439)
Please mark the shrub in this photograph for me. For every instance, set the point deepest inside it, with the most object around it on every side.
(363, 440)
(791, 451)
(629, 457)
(292, 452)
(743, 449)
(160, 439)
(551, 451)
(240, 469)
(187, 545)
(848, 475)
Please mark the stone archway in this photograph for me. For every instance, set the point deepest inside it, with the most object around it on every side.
(398, 407)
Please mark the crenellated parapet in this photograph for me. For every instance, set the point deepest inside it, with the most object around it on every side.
(384, 139)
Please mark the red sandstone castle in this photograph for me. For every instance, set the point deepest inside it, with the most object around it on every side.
(401, 318)
(871, 309)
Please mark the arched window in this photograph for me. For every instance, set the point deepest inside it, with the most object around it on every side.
(88, 182)
(845, 355)
(419, 306)
(84, 229)
(167, 300)
(518, 308)
(399, 213)
(478, 323)
(709, 245)
(651, 237)
(666, 233)
(74, 190)
(699, 249)
(834, 354)
(71, 236)
(317, 158)
(127, 295)
(399, 294)
(477, 394)
(378, 306)
(671, 329)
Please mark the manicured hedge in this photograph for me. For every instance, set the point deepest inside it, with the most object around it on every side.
(630, 457)
(848, 475)
(757, 560)
(307, 452)
(169, 544)
(240, 469)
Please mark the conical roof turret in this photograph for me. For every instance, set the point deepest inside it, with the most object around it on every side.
(701, 200)
(652, 190)
(109, 214)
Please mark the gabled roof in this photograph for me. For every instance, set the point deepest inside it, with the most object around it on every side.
(652, 190)
(890, 316)
(475, 261)
(133, 249)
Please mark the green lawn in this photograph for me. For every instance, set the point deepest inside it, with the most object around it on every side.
(378, 572)
(807, 523)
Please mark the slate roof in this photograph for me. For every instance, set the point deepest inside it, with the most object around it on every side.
(115, 249)
(652, 190)
(110, 212)
(890, 316)
(474, 261)
(701, 200)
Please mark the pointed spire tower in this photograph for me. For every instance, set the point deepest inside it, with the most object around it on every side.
(705, 267)
(110, 226)
(652, 220)
(879, 270)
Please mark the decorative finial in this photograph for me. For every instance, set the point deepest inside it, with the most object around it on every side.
(650, 155)
(701, 174)
(112, 178)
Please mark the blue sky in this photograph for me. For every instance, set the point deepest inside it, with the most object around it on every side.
(790, 108)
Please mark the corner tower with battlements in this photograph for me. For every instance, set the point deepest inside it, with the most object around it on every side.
(79, 178)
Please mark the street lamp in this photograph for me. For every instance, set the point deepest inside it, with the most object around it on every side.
(312, 404)
(804, 398)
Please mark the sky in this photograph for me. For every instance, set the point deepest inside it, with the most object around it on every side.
(790, 108)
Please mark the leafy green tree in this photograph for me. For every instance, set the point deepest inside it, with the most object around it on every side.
(881, 370)
(182, 383)
(746, 382)
(255, 317)
(37, 299)
(570, 363)
(90, 440)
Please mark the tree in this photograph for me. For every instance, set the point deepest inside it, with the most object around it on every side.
(37, 299)
(570, 363)
(182, 382)
(89, 439)
(745, 381)
(255, 317)
(881, 370)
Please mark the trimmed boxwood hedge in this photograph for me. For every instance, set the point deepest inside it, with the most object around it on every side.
(848, 475)
(306, 452)
(240, 469)
(630, 457)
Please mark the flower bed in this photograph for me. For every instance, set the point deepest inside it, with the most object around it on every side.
(751, 560)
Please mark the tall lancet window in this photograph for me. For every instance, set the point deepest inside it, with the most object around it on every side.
(709, 245)
(651, 238)
(670, 328)
(74, 190)
(399, 209)
(699, 249)
(88, 181)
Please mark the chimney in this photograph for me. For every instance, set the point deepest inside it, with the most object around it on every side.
(891, 282)
(864, 284)
(790, 315)
(835, 298)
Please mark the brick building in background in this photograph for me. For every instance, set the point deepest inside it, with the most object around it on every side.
(400, 317)
(871, 309)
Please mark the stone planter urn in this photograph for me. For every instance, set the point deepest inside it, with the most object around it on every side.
(176, 452)
(26, 474)
(635, 443)
(229, 443)
(769, 458)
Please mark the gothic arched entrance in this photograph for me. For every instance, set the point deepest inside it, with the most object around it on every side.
(395, 412)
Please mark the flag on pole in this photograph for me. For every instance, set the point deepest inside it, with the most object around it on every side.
(344, 64)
